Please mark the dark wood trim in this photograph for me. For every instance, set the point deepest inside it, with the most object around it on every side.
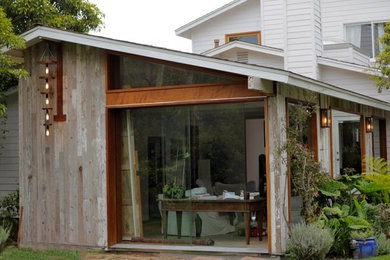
(267, 175)
(331, 146)
(231, 35)
(383, 139)
(113, 133)
(362, 142)
(190, 95)
(60, 116)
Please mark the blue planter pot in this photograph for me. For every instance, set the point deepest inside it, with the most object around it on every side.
(366, 248)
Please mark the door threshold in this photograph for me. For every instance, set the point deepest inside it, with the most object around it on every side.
(203, 249)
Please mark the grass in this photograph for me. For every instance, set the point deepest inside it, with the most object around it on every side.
(12, 253)
(382, 257)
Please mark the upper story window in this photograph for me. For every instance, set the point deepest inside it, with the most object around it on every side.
(365, 36)
(250, 37)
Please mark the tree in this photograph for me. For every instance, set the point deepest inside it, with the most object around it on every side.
(382, 80)
(72, 15)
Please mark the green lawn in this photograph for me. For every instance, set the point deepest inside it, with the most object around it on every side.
(383, 257)
(12, 253)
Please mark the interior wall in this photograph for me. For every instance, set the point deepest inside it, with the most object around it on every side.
(254, 147)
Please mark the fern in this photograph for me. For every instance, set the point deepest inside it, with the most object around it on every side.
(379, 174)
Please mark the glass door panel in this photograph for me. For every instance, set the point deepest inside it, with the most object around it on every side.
(346, 142)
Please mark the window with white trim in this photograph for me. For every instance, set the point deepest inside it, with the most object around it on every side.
(365, 36)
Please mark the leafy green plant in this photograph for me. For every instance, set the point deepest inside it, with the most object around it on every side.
(4, 234)
(173, 191)
(308, 242)
(9, 215)
(379, 177)
(383, 245)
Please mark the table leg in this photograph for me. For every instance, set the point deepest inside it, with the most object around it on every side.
(247, 216)
(165, 222)
(178, 222)
(259, 216)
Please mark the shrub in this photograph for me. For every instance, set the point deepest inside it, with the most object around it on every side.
(383, 245)
(4, 234)
(9, 215)
(308, 242)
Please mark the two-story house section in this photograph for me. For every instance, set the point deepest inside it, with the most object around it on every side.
(331, 41)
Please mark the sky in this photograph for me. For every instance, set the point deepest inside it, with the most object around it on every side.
(152, 22)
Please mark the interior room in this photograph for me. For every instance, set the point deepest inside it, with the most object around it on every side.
(213, 154)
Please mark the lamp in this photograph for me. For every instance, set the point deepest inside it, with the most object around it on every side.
(369, 125)
(325, 117)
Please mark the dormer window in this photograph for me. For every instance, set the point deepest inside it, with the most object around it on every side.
(365, 36)
(249, 37)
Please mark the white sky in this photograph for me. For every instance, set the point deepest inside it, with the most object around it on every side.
(152, 22)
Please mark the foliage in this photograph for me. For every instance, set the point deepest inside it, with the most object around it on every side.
(379, 177)
(72, 15)
(308, 242)
(306, 175)
(383, 245)
(24, 253)
(9, 215)
(382, 81)
(4, 234)
(173, 191)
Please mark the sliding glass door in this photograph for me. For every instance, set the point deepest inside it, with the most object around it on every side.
(198, 151)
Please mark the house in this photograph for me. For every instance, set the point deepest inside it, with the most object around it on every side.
(104, 125)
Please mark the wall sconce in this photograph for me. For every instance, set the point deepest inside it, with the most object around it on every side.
(369, 125)
(325, 117)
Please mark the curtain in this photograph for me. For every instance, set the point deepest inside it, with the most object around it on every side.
(354, 34)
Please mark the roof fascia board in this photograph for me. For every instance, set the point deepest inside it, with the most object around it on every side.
(345, 66)
(183, 30)
(245, 46)
(333, 91)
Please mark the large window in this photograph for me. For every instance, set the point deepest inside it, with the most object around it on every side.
(249, 37)
(131, 72)
(211, 151)
(365, 36)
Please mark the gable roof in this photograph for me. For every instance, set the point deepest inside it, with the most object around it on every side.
(41, 33)
(184, 31)
(245, 46)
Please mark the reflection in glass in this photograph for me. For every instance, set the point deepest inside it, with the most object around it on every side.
(202, 148)
(346, 142)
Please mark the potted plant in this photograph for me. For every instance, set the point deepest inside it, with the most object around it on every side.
(173, 191)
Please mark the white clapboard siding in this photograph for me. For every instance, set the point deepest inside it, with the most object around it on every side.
(273, 12)
(354, 81)
(243, 18)
(9, 153)
(346, 52)
(336, 13)
(303, 37)
(254, 57)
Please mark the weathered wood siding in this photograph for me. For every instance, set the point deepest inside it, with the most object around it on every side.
(63, 176)
(9, 149)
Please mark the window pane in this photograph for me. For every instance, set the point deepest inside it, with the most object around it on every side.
(130, 72)
(246, 38)
(201, 148)
(360, 36)
(378, 32)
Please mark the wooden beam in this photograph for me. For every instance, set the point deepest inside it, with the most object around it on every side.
(59, 117)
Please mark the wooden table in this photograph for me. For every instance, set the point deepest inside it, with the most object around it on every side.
(228, 205)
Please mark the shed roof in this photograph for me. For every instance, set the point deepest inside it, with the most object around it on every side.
(41, 33)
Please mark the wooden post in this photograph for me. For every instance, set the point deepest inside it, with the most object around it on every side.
(59, 117)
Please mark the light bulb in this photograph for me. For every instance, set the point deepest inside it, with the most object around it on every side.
(47, 84)
(47, 69)
(47, 99)
(47, 132)
(47, 116)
